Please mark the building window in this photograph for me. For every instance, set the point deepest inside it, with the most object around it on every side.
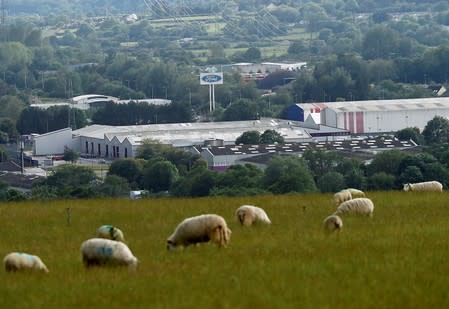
(113, 151)
(87, 147)
(99, 150)
(107, 151)
(126, 152)
(92, 147)
(118, 152)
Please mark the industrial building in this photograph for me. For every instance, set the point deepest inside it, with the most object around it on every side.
(113, 142)
(219, 158)
(375, 116)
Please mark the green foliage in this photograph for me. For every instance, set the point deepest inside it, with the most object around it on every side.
(387, 162)
(114, 186)
(271, 137)
(70, 155)
(288, 174)
(248, 138)
(436, 131)
(331, 182)
(381, 181)
(159, 175)
(410, 134)
(129, 169)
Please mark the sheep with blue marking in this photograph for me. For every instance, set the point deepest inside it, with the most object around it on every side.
(342, 196)
(101, 251)
(332, 223)
(360, 206)
(110, 232)
(199, 229)
(434, 186)
(249, 214)
(18, 261)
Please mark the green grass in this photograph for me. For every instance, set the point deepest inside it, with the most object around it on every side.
(397, 259)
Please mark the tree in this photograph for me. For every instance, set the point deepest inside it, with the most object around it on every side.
(70, 155)
(114, 186)
(320, 162)
(129, 169)
(387, 161)
(241, 110)
(331, 182)
(288, 174)
(436, 131)
(159, 175)
(3, 155)
(248, 138)
(410, 134)
(72, 181)
(239, 178)
(271, 137)
(380, 42)
(381, 181)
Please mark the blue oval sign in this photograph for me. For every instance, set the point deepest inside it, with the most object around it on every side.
(211, 78)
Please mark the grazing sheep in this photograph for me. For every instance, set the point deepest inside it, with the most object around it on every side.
(110, 232)
(248, 215)
(342, 196)
(332, 223)
(17, 261)
(100, 251)
(361, 205)
(356, 192)
(424, 186)
(203, 228)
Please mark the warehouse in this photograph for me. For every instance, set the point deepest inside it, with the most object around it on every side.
(113, 142)
(383, 116)
(375, 116)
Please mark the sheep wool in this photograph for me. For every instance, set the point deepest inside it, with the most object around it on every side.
(361, 205)
(355, 193)
(18, 261)
(342, 196)
(110, 232)
(203, 228)
(101, 251)
(424, 186)
(248, 215)
(332, 223)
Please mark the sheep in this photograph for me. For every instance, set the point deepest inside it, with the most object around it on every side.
(110, 232)
(424, 186)
(342, 196)
(101, 251)
(203, 228)
(360, 205)
(248, 215)
(18, 261)
(332, 223)
(356, 192)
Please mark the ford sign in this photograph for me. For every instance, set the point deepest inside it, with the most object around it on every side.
(211, 78)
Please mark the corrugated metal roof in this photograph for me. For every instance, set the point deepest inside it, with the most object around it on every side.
(389, 105)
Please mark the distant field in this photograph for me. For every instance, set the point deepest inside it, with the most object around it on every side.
(397, 259)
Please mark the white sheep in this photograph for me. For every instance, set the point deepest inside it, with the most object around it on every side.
(101, 251)
(248, 215)
(110, 232)
(17, 261)
(424, 186)
(203, 228)
(356, 192)
(332, 223)
(360, 205)
(342, 196)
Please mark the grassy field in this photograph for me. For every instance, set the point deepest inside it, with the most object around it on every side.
(397, 259)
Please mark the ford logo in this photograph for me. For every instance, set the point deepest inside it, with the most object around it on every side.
(211, 78)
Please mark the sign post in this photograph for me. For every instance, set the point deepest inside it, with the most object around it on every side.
(211, 79)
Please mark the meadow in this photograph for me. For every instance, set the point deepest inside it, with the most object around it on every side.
(397, 259)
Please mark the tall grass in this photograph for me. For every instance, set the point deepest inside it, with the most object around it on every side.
(397, 259)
